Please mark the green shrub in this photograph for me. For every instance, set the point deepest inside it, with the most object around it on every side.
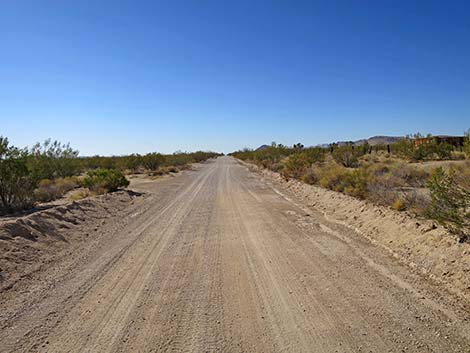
(403, 148)
(295, 166)
(466, 144)
(449, 202)
(104, 180)
(16, 184)
(330, 176)
(433, 150)
(355, 182)
(152, 161)
(310, 176)
(314, 154)
(51, 160)
(347, 156)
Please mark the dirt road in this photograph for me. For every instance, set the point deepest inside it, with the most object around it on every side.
(216, 260)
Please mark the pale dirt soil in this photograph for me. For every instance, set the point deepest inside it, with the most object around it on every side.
(218, 260)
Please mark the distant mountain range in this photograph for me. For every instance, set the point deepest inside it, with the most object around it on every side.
(262, 147)
(373, 141)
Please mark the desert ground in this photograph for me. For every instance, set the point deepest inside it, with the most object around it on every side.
(218, 259)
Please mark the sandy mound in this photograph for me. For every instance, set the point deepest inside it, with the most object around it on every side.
(419, 243)
(30, 241)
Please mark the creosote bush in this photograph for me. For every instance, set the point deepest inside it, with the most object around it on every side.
(16, 184)
(295, 166)
(104, 180)
(450, 203)
(347, 156)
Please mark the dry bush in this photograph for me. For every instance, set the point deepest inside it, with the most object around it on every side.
(346, 156)
(462, 175)
(310, 176)
(80, 194)
(417, 201)
(49, 190)
(295, 166)
(458, 156)
(330, 176)
(411, 176)
(398, 204)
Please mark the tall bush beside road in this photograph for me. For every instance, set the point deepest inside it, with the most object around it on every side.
(450, 203)
(16, 184)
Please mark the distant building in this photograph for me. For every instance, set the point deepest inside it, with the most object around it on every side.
(456, 141)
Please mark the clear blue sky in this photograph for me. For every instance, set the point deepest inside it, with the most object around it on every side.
(115, 77)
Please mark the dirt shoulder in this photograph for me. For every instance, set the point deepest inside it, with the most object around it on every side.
(418, 243)
(28, 243)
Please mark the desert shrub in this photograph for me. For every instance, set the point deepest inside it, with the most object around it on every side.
(417, 201)
(152, 161)
(49, 190)
(449, 202)
(398, 204)
(80, 194)
(310, 176)
(382, 185)
(52, 160)
(403, 148)
(355, 182)
(295, 166)
(410, 176)
(444, 150)
(429, 149)
(347, 156)
(330, 176)
(458, 155)
(269, 157)
(462, 175)
(432, 150)
(104, 180)
(136, 163)
(16, 184)
(171, 169)
(466, 143)
(314, 154)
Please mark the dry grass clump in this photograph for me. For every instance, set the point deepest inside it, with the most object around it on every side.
(167, 170)
(398, 204)
(80, 194)
(49, 190)
(462, 174)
